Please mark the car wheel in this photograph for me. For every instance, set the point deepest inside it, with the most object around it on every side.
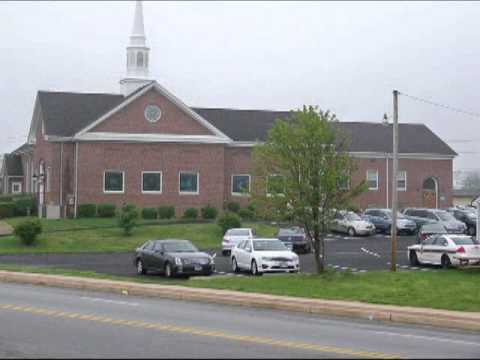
(471, 230)
(141, 270)
(351, 231)
(413, 258)
(168, 270)
(235, 266)
(225, 252)
(446, 262)
(254, 269)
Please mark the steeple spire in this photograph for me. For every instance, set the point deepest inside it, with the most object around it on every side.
(137, 55)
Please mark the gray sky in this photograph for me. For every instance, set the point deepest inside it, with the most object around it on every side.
(346, 57)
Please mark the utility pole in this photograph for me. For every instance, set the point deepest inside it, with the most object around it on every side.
(394, 182)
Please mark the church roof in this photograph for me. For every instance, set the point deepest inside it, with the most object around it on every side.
(65, 114)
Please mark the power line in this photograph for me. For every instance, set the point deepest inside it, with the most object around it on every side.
(444, 106)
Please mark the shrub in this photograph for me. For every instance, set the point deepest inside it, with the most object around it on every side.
(233, 206)
(166, 212)
(7, 209)
(28, 231)
(149, 213)
(246, 214)
(25, 205)
(228, 221)
(128, 218)
(6, 198)
(209, 212)
(106, 210)
(190, 213)
(87, 210)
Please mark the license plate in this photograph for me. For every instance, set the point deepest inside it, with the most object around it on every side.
(282, 264)
(197, 268)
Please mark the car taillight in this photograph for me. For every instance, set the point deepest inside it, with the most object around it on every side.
(461, 249)
(423, 236)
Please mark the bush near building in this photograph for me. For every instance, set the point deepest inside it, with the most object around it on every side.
(166, 212)
(209, 212)
(233, 206)
(87, 210)
(149, 213)
(128, 218)
(106, 210)
(190, 213)
(228, 221)
(7, 210)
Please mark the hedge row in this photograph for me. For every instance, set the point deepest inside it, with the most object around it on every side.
(17, 206)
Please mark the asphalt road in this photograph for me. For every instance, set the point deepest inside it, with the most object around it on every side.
(47, 322)
(357, 254)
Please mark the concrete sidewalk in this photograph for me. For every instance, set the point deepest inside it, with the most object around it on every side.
(5, 229)
(387, 313)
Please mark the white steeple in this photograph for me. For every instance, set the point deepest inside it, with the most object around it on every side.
(137, 55)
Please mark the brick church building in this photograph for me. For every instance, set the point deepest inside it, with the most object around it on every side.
(145, 146)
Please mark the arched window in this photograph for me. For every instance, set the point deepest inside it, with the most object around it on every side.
(140, 59)
(429, 184)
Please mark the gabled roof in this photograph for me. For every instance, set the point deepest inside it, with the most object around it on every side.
(66, 114)
(25, 148)
(13, 165)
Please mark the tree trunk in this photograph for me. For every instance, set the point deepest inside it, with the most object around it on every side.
(319, 253)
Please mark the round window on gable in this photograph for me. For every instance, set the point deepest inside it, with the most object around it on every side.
(152, 113)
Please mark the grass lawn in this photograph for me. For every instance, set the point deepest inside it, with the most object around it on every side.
(448, 290)
(79, 236)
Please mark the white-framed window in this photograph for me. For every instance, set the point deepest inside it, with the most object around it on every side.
(152, 182)
(240, 184)
(188, 183)
(114, 182)
(16, 187)
(372, 179)
(275, 185)
(402, 180)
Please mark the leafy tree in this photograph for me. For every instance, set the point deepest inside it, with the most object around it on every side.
(472, 181)
(301, 173)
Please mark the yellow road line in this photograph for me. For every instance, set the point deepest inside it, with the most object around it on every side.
(201, 332)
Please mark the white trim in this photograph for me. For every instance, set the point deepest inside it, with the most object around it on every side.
(376, 172)
(154, 138)
(13, 187)
(239, 193)
(405, 188)
(169, 96)
(198, 183)
(418, 156)
(123, 182)
(245, 143)
(154, 191)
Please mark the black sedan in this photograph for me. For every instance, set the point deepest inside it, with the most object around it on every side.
(295, 238)
(173, 258)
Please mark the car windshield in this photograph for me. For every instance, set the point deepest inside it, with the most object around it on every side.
(179, 246)
(464, 240)
(445, 216)
(269, 245)
(399, 214)
(239, 232)
(353, 217)
(291, 231)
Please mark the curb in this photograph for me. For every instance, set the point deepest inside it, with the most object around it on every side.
(386, 313)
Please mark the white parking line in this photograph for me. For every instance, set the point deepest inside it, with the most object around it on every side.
(108, 301)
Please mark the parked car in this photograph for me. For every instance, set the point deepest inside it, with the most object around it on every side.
(382, 219)
(295, 239)
(468, 216)
(234, 236)
(430, 229)
(173, 257)
(260, 256)
(352, 224)
(445, 250)
(424, 216)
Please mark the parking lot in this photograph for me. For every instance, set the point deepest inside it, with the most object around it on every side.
(344, 253)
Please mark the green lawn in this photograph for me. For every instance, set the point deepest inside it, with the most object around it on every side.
(100, 235)
(448, 290)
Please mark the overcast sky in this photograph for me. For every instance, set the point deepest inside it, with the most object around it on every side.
(346, 57)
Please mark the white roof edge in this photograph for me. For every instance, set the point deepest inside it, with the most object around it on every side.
(170, 97)
(150, 138)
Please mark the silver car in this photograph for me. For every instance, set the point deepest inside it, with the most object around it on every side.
(352, 224)
(234, 236)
